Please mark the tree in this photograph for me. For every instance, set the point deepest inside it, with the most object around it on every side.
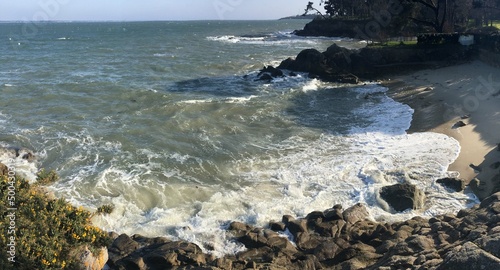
(485, 11)
(441, 17)
(311, 7)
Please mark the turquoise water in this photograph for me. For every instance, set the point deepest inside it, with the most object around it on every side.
(166, 121)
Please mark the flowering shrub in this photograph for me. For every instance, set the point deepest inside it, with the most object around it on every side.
(46, 231)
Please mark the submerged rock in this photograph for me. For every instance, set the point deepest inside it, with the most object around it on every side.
(403, 196)
(452, 183)
(459, 124)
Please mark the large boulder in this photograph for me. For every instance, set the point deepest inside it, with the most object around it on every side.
(309, 60)
(338, 57)
(403, 196)
(469, 256)
(355, 213)
(452, 183)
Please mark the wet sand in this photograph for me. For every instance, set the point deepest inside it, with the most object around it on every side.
(463, 102)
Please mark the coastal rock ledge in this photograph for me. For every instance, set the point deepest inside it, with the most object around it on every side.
(335, 239)
(338, 64)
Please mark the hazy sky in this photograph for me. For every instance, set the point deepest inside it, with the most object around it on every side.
(120, 10)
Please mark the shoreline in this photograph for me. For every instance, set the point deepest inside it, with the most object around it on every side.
(444, 99)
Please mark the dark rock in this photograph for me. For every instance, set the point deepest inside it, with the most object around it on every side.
(341, 78)
(316, 215)
(306, 241)
(490, 243)
(274, 72)
(362, 253)
(265, 77)
(459, 124)
(452, 183)
(269, 73)
(330, 249)
(297, 226)
(330, 228)
(477, 186)
(355, 213)
(277, 226)
(30, 157)
(224, 263)
(469, 257)
(468, 240)
(490, 200)
(281, 243)
(239, 229)
(495, 165)
(259, 255)
(308, 262)
(338, 55)
(121, 247)
(476, 168)
(309, 60)
(253, 240)
(333, 214)
(287, 218)
(403, 196)
(146, 241)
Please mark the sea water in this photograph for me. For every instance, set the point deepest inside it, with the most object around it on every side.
(166, 121)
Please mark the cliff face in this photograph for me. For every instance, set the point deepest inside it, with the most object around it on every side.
(336, 239)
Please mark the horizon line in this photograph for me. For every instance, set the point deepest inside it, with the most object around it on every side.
(160, 20)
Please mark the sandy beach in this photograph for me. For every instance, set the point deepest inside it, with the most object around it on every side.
(463, 102)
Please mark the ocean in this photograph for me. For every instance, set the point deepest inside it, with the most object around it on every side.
(166, 121)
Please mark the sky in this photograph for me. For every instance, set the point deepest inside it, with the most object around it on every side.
(148, 10)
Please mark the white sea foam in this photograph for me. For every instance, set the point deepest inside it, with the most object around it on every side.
(302, 176)
(278, 38)
(17, 158)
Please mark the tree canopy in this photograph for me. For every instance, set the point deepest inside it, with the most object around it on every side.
(438, 15)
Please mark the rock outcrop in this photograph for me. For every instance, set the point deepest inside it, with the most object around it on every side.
(336, 239)
(403, 196)
(454, 184)
(339, 64)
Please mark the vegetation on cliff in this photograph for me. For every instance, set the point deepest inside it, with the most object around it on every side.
(41, 232)
(379, 19)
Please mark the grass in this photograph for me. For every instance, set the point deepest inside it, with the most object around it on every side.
(496, 24)
(46, 231)
(393, 43)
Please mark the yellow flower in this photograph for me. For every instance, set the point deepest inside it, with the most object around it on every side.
(45, 262)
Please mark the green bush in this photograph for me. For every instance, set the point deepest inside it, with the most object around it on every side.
(46, 230)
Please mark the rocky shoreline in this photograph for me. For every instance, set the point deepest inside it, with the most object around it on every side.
(338, 64)
(335, 239)
(344, 239)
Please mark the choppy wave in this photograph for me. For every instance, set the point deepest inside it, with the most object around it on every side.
(282, 38)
